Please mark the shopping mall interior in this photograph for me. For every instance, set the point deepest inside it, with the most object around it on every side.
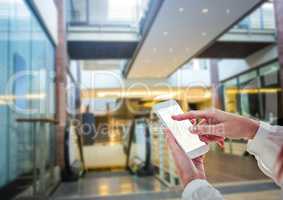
(80, 78)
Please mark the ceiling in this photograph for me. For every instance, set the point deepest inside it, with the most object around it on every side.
(182, 30)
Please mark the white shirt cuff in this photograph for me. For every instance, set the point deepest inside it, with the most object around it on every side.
(263, 148)
(260, 137)
(193, 186)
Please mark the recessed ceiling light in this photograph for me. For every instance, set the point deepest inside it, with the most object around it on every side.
(204, 10)
(165, 33)
(204, 34)
(170, 50)
(228, 11)
(181, 10)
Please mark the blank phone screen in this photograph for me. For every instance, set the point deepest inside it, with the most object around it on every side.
(180, 129)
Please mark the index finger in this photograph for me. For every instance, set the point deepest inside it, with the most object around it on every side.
(192, 115)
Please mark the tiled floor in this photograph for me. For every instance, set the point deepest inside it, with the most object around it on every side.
(237, 178)
(105, 184)
(223, 168)
(122, 186)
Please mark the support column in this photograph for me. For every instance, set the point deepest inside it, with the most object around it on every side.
(215, 84)
(61, 71)
(278, 8)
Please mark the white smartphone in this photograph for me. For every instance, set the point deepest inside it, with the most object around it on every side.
(190, 143)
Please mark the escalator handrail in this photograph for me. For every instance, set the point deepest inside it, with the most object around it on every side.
(147, 161)
(129, 146)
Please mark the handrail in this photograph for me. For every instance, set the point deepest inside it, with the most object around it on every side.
(40, 120)
(146, 168)
(129, 144)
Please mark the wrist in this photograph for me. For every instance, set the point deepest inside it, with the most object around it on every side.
(253, 126)
(188, 180)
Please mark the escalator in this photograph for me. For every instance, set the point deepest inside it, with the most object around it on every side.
(138, 148)
(74, 158)
(136, 145)
(137, 181)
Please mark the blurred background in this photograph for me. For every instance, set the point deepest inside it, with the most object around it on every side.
(79, 79)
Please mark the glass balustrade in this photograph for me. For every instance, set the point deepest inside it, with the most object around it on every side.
(107, 13)
(261, 19)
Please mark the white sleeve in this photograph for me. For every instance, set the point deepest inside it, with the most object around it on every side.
(201, 190)
(264, 149)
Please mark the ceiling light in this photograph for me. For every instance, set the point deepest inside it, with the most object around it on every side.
(154, 49)
(165, 33)
(228, 11)
(170, 50)
(204, 11)
(181, 10)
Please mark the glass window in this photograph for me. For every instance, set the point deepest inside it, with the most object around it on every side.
(270, 90)
(248, 94)
(230, 95)
(78, 9)
(105, 13)
(257, 93)
(39, 71)
(113, 12)
(50, 63)
(248, 78)
(269, 75)
(262, 18)
(268, 16)
(122, 10)
(256, 20)
(4, 28)
(24, 46)
(244, 24)
(19, 63)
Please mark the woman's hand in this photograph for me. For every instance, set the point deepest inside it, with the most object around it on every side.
(187, 169)
(209, 138)
(221, 124)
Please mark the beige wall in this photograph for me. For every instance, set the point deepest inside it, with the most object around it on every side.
(104, 156)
